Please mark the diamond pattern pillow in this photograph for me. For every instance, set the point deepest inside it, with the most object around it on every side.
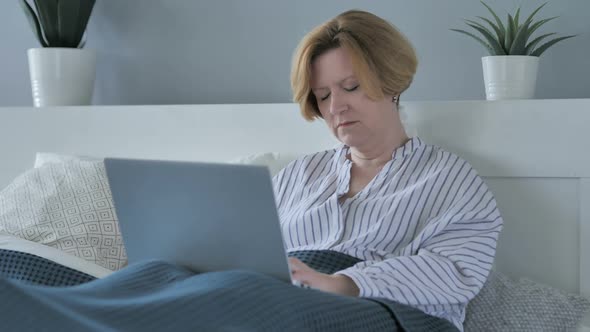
(67, 206)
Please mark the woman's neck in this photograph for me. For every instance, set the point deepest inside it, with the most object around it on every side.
(376, 155)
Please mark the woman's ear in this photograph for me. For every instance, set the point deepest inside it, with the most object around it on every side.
(395, 99)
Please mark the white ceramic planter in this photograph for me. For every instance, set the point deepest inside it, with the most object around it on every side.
(62, 76)
(510, 76)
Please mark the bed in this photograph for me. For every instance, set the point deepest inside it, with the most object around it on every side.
(532, 154)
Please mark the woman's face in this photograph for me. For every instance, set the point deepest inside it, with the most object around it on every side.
(351, 115)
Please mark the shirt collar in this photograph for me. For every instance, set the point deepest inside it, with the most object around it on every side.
(408, 147)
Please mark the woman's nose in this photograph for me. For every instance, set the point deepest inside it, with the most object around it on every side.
(337, 103)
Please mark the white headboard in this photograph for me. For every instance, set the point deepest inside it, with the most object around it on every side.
(533, 154)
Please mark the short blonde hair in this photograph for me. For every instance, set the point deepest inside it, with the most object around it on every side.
(383, 59)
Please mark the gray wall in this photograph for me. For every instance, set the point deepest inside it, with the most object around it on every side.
(235, 51)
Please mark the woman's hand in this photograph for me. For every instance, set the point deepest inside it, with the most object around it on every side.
(333, 283)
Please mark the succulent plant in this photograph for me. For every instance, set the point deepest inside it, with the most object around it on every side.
(512, 38)
(59, 23)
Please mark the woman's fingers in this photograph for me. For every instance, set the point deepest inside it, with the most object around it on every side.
(297, 265)
(300, 271)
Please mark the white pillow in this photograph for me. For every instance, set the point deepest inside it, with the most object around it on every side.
(67, 206)
(42, 158)
(275, 161)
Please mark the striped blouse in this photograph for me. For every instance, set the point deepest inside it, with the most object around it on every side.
(426, 225)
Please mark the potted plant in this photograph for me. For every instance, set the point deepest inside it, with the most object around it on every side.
(62, 72)
(510, 72)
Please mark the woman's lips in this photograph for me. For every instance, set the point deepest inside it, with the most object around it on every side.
(347, 124)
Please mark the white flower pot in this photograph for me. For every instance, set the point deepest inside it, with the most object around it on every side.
(510, 76)
(62, 76)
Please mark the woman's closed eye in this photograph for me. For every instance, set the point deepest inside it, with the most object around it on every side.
(352, 89)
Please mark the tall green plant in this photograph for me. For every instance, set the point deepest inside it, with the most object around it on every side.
(59, 23)
(511, 38)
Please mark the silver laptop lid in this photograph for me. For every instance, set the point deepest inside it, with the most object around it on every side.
(205, 216)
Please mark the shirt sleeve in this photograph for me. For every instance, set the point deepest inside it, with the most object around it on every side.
(454, 254)
(283, 182)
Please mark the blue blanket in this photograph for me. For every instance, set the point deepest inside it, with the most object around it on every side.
(37, 270)
(160, 296)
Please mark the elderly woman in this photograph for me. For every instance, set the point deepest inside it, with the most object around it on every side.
(403, 233)
(421, 222)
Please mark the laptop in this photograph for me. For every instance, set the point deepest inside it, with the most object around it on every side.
(203, 216)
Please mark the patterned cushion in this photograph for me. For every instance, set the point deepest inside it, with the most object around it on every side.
(525, 305)
(42, 158)
(67, 206)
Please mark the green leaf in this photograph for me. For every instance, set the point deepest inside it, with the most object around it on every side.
(498, 21)
(470, 22)
(498, 50)
(548, 44)
(514, 27)
(496, 28)
(537, 25)
(519, 44)
(516, 16)
(486, 45)
(33, 21)
(530, 18)
(536, 41)
(513, 37)
(47, 10)
(73, 16)
(509, 33)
